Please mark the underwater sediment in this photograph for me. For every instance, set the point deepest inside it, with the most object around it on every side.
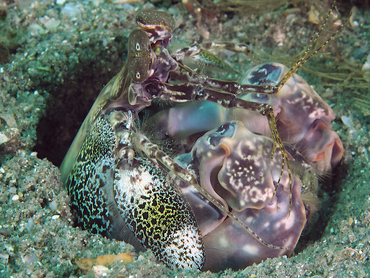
(58, 55)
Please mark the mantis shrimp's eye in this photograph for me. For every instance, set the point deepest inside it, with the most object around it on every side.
(226, 129)
(140, 56)
(269, 73)
(265, 74)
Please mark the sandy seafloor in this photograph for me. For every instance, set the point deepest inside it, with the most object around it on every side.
(55, 57)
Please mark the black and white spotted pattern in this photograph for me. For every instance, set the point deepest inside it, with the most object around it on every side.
(155, 210)
(110, 184)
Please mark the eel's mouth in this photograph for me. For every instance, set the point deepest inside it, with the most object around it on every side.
(70, 105)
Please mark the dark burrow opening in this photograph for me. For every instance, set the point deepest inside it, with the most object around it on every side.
(64, 117)
(71, 101)
(329, 187)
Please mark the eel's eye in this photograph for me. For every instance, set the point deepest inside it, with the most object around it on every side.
(137, 47)
(140, 56)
